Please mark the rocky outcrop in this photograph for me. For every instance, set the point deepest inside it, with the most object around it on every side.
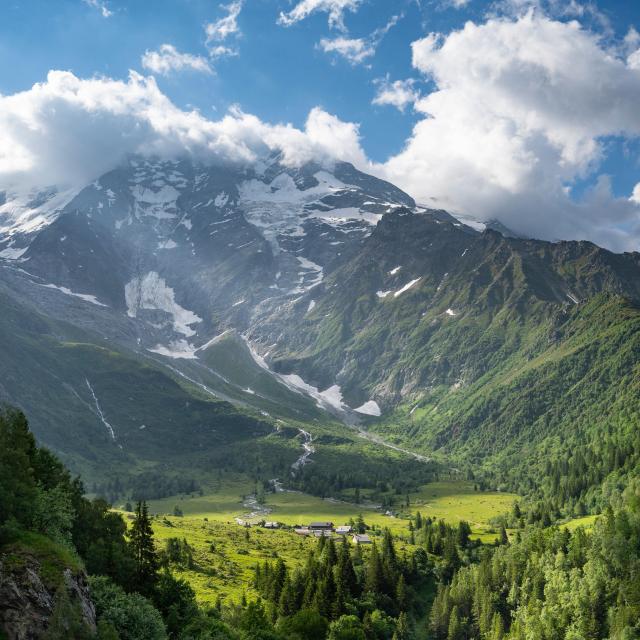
(29, 601)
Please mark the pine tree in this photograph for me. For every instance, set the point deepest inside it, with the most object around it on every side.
(287, 602)
(497, 628)
(144, 552)
(464, 531)
(338, 606)
(345, 574)
(402, 627)
(330, 553)
(440, 613)
(278, 580)
(388, 549)
(455, 630)
(374, 578)
(323, 598)
(401, 594)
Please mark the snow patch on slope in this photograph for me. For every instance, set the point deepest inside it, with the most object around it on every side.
(26, 211)
(406, 287)
(68, 292)
(11, 253)
(279, 207)
(160, 203)
(152, 292)
(329, 398)
(369, 408)
(178, 349)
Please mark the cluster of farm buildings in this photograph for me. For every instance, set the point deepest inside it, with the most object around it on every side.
(318, 530)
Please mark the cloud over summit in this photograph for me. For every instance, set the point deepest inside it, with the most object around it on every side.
(70, 130)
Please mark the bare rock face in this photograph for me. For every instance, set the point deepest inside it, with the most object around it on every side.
(28, 605)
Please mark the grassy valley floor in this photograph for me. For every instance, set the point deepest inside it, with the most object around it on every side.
(225, 554)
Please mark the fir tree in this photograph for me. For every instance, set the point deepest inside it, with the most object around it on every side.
(374, 578)
(401, 593)
(287, 602)
(402, 627)
(144, 551)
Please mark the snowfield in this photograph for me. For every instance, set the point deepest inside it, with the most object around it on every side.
(369, 408)
(151, 292)
(406, 287)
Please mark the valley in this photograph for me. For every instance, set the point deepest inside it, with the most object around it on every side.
(209, 347)
(320, 320)
(209, 522)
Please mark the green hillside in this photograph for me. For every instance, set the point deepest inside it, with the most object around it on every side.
(504, 353)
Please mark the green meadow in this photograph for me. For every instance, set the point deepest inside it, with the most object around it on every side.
(225, 554)
(586, 522)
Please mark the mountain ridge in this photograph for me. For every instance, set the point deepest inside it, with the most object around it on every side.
(305, 295)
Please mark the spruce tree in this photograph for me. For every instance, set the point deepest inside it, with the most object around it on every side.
(144, 551)
(374, 573)
(497, 628)
(455, 630)
(401, 594)
(287, 602)
(346, 576)
(402, 627)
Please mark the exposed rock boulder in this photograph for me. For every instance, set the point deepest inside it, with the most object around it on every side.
(33, 594)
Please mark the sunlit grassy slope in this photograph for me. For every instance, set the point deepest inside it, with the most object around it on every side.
(585, 522)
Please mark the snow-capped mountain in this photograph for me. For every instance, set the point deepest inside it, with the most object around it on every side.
(190, 250)
(23, 212)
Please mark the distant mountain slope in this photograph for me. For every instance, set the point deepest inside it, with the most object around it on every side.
(477, 345)
(429, 302)
(126, 300)
(102, 407)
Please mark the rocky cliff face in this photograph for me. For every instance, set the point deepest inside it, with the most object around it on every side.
(31, 601)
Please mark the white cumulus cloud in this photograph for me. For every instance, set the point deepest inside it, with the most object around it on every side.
(358, 50)
(101, 6)
(335, 8)
(168, 59)
(222, 29)
(520, 112)
(69, 130)
(354, 50)
(399, 93)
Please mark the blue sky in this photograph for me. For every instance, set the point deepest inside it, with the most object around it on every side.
(280, 72)
(273, 61)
